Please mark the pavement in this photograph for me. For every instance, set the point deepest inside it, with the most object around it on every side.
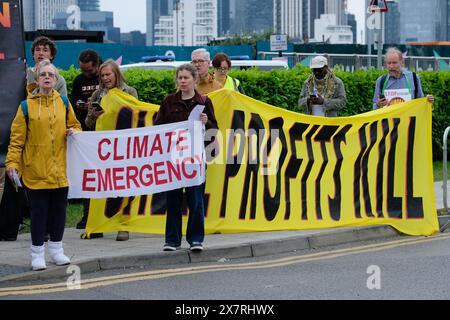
(146, 249)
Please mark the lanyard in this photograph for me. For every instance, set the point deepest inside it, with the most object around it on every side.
(408, 84)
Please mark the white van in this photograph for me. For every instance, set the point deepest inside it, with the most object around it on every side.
(263, 65)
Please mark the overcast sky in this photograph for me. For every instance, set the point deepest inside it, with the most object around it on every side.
(129, 15)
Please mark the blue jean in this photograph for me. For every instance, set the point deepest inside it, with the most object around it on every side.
(196, 222)
(47, 210)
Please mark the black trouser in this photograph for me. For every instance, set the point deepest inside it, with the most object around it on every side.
(48, 210)
(13, 207)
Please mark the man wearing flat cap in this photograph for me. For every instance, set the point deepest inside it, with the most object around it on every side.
(323, 94)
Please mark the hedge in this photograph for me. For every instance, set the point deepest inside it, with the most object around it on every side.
(281, 88)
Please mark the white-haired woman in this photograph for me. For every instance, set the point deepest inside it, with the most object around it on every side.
(38, 141)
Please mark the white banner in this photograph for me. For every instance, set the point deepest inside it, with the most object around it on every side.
(124, 163)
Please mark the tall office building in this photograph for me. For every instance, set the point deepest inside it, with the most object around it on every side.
(154, 10)
(392, 24)
(351, 21)
(287, 15)
(252, 16)
(338, 8)
(191, 22)
(223, 17)
(89, 5)
(39, 14)
(421, 20)
(312, 9)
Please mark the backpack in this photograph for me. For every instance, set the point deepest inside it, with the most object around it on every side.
(416, 88)
(24, 105)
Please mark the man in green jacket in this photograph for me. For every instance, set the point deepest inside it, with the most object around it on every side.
(323, 94)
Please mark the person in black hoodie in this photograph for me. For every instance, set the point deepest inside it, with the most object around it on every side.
(83, 87)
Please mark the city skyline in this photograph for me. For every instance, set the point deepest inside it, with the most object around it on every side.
(131, 20)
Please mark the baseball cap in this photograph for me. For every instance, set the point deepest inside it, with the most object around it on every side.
(318, 62)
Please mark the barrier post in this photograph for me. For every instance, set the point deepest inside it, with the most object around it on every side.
(444, 180)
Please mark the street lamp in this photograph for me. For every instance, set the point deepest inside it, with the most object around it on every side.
(192, 29)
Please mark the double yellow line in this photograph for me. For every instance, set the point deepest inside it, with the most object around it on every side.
(166, 273)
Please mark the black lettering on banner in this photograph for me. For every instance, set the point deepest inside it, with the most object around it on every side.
(293, 166)
(142, 205)
(414, 205)
(394, 204)
(255, 129)
(233, 166)
(335, 203)
(127, 209)
(307, 170)
(365, 170)
(272, 204)
(158, 205)
(141, 119)
(357, 172)
(380, 167)
(323, 136)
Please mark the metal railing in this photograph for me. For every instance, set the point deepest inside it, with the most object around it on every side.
(445, 178)
(353, 62)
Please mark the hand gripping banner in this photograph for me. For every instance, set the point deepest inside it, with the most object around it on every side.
(280, 170)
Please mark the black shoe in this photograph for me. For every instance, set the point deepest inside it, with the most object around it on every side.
(170, 247)
(46, 237)
(81, 224)
(91, 236)
(196, 247)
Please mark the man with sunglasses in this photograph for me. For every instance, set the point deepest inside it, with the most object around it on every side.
(206, 82)
(323, 94)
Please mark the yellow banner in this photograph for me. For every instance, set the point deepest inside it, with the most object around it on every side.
(280, 170)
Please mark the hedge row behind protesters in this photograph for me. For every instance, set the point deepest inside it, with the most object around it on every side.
(397, 79)
(110, 77)
(44, 48)
(174, 108)
(323, 94)
(222, 64)
(40, 142)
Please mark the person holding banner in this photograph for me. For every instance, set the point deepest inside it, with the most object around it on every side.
(323, 94)
(44, 48)
(110, 77)
(174, 108)
(398, 85)
(38, 140)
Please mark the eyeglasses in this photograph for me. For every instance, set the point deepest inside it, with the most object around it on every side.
(45, 74)
(198, 61)
(222, 69)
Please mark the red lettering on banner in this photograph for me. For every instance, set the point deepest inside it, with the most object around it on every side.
(183, 167)
(117, 178)
(100, 155)
(116, 156)
(159, 181)
(156, 145)
(87, 179)
(2, 56)
(128, 147)
(149, 176)
(182, 137)
(140, 149)
(200, 162)
(172, 170)
(169, 136)
(5, 17)
(104, 181)
(132, 176)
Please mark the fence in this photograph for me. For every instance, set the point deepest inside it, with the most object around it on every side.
(353, 62)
